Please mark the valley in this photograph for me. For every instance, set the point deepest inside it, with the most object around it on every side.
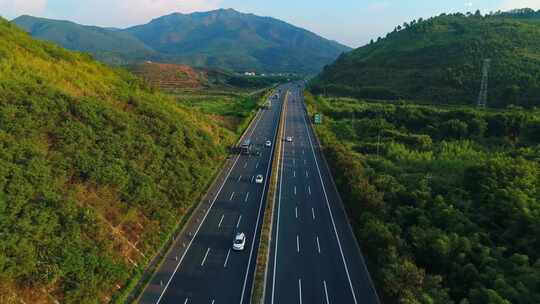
(193, 153)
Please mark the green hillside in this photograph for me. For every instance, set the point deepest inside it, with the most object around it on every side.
(445, 202)
(222, 39)
(108, 45)
(95, 172)
(439, 60)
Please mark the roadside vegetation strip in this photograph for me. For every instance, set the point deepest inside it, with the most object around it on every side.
(258, 289)
(142, 277)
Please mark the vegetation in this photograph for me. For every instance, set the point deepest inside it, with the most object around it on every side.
(174, 77)
(221, 39)
(439, 60)
(445, 202)
(96, 170)
(108, 45)
(169, 76)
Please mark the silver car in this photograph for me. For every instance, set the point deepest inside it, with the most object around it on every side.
(239, 242)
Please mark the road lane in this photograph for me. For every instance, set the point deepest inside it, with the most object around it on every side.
(209, 271)
(321, 252)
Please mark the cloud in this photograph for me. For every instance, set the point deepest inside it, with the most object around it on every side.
(121, 13)
(512, 4)
(14, 8)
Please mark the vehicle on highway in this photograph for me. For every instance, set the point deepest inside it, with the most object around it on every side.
(289, 138)
(245, 148)
(239, 242)
(268, 143)
(259, 179)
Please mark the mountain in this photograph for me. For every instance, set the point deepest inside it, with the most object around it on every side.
(105, 44)
(440, 60)
(95, 172)
(223, 39)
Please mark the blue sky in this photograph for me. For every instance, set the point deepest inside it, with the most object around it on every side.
(352, 22)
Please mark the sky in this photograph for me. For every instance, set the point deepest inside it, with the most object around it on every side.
(351, 22)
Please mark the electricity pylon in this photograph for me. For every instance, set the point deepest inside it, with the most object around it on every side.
(482, 97)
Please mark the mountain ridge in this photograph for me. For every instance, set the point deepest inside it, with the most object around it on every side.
(223, 39)
(439, 60)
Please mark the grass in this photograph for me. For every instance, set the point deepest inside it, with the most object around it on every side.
(230, 109)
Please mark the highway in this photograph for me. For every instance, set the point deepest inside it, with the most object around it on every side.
(314, 255)
(210, 271)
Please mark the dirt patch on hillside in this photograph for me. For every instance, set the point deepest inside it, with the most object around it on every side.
(170, 76)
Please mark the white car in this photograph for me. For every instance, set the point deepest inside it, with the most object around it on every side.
(268, 143)
(239, 242)
(259, 179)
(289, 138)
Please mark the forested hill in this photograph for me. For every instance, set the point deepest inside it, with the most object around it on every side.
(439, 60)
(95, 171)
(220, 39)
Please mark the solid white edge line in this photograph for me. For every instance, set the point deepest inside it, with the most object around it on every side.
(205, 215)
(330, 211)
(259, 216)
(278, 211)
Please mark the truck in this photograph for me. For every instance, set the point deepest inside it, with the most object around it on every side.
(246, 146)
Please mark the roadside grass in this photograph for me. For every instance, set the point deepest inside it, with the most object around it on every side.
(230, 109)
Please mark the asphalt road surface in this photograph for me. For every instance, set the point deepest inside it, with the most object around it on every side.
(210, 271)
(314, 255)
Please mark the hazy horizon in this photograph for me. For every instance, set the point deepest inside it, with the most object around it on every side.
(353, 23)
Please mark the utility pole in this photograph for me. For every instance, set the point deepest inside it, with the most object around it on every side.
(482, 97)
